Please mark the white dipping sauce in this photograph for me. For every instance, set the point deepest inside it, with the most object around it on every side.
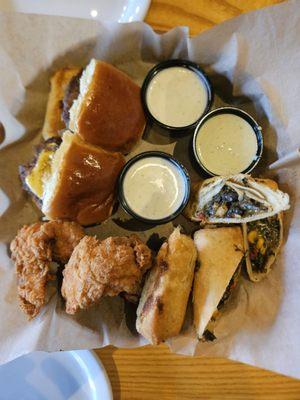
(176, 96)
(226, 144)
(154, 187)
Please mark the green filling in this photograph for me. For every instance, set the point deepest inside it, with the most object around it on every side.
(266, 239)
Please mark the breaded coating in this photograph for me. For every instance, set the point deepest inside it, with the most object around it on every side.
(33, 250)
(31, 253)
(107, 268)
(66, 236)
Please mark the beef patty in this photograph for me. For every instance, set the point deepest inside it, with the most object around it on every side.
(71, 94)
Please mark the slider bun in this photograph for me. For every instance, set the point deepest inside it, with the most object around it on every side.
(164, 299)
(220, 252)
(53, 123)
(83, 182)
(108, 111)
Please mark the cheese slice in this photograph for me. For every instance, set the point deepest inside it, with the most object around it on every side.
(35, 180)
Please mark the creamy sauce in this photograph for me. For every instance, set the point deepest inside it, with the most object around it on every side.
(154, 187)
(226, 144)
(176, 96)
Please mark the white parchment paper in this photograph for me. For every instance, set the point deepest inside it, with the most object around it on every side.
(254, 63)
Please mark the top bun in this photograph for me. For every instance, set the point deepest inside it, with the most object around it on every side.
(108, 111)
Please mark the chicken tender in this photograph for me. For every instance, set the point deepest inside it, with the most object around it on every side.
(113, 266)
(33, 250)
(66, 236)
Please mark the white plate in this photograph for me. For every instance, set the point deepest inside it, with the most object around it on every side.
(70, 375)
(111, 10)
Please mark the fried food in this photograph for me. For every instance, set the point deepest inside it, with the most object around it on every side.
(235, 199)
(64, 236)
(107, 268)
(164, 299)
(220, 254)
(33, 250)
(262, 241)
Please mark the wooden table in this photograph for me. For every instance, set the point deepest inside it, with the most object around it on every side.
(198, 15)
(154, 372)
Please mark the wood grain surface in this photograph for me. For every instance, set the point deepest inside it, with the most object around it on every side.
(156, 373)
(199, 15)
(153, 372)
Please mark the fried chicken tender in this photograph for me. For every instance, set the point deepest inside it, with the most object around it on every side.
(65, 236)
(107, 268)
(33, 250)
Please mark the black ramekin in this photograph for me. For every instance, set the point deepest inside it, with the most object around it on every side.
(168, 157)
(240, 113)
(176, 63)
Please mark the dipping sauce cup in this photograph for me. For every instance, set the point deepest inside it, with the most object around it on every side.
(176, 94)
(154, 187)
(227, 141)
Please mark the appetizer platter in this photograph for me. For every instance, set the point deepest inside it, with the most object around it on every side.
(87, 171)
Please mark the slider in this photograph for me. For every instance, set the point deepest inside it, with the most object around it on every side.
(100, 103)
(75, 182)
(108, 110)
